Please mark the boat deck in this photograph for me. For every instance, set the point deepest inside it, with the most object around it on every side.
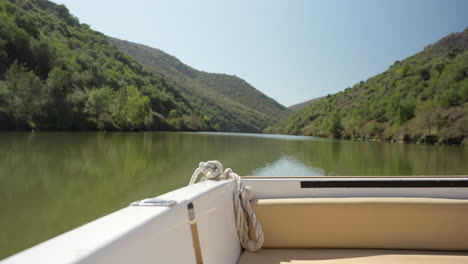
(351, 256)
(336, 220)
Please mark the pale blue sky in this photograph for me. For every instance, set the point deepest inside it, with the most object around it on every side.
(290, 50)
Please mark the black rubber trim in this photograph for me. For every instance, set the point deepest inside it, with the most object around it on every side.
(386, 184)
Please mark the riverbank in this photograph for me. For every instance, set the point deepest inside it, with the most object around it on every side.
(459, 140)
(408, 139)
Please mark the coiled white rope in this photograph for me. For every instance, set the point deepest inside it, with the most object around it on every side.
(242, 195)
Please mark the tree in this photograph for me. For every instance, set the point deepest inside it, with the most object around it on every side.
(4, 94)
(334, 126)
(28, 23)
(130, 109)
(399, 111)
(21, 42)
(64, 14)
(463, 91)
(59, 83)
(405, 111)
(430, 116)
(44, 56)
(449, 97)
(174, 113)
(3, 52)
(137, 107)
(59, 107)
(25, 95)
(99, 106)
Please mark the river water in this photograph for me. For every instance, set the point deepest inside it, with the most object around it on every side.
(51, 182)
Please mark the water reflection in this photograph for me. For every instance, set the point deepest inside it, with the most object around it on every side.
(287, 166)
(55, 181)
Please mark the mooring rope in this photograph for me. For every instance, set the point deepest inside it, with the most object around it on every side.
(213, 170)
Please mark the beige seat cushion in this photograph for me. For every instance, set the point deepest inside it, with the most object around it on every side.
(352, 256)
(382, 223)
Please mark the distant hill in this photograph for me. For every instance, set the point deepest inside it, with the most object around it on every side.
(239, 106)
(300, 106)
(423, 98)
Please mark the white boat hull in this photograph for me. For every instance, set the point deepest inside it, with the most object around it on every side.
(163, 234)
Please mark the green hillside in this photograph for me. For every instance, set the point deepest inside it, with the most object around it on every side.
(423, 98)
(300, 106)
(59, 74)
(252, 109)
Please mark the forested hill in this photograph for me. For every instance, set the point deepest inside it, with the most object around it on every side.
(59, 74)
(230, 93)
(422, 98)
(300, 106)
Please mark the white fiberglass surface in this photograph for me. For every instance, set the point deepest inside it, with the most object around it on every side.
(149, 234)
(291, 188)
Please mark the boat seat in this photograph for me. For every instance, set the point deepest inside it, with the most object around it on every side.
(361, 230)
(352, 256)
(369, 222)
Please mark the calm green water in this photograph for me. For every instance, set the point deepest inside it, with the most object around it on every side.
(51, 182)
